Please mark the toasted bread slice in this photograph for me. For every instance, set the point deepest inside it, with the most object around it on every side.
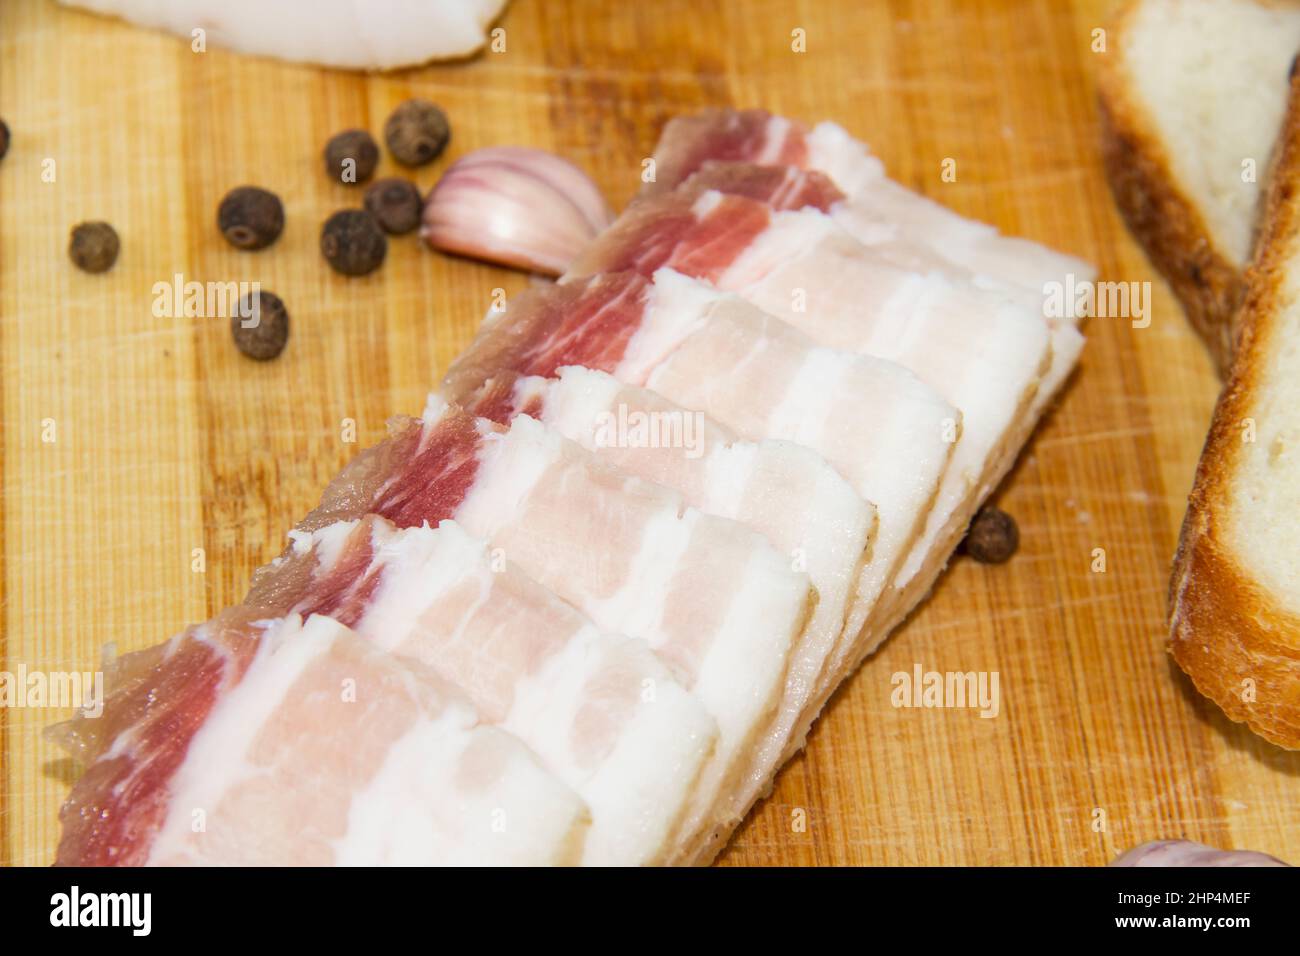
(1235, 593)
(1192, 94)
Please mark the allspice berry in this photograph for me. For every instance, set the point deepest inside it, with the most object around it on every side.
(250, 217)
(395, 204)
(94, 246)
(417, 132)
(260, 325)
(352, 242)
(4, 138)
(351, 157)
(993, 536)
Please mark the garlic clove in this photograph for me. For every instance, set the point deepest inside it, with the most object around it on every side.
(515, 206)
(1187, 853)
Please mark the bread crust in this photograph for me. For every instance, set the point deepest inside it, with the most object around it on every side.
(1157, 210)
(1226, 627)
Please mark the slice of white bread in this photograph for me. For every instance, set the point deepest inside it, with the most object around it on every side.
(1192, 94)
(1235, 593)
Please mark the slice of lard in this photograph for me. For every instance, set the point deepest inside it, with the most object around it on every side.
(792, 188)
(887, 433)
(716, 601)
(249, 741)
(985, 353)
(786, 492)
(874, 207)
(354, 34)
(602, 713)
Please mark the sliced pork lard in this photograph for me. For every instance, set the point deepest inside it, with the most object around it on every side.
(248, 742)
(792, 188)
(786, 492)
(825, 167)
(601, 712)
(715, 600)
(983, 352)
(876, 206)
(890, 435)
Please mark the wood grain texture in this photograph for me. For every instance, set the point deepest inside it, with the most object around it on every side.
(168, 440)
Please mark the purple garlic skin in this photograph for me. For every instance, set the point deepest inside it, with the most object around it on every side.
(1187, 853)
(515, 206)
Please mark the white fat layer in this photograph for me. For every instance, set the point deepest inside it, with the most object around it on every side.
(809, 400)
(339, 33)
(909, 429)
(781, 489)
(906, 434)
(784, 491)
(575, 402)
(980, 351)
(639, 605)
(435, 406)
(1067, 345)
(847, 162)
(991, 386)
(731, 471)
(833, 537)
(812, 515)
(676, 306)
(300, 540)
(742, 664)
(420, 565)
(898, 329)
(741, 678)
(790, 234)
(529, 389)
(328, 542)
(638, 791)
(523, 816)
(755, 639)
(706, 202)
(778, 130)
(875, 202)
(941, 239)
(216, 760)
(510, 466)
(857, 411)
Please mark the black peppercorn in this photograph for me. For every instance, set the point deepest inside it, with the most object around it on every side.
(94, 246)
(260, 326)
(417, 132)
(352, 242)
(250, 218)
(4, 138)
(351, 157)
(395, 204)
(993, 536)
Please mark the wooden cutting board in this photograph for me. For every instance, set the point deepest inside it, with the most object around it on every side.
(167, 440)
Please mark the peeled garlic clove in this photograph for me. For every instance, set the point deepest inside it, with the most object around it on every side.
(515, 206)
